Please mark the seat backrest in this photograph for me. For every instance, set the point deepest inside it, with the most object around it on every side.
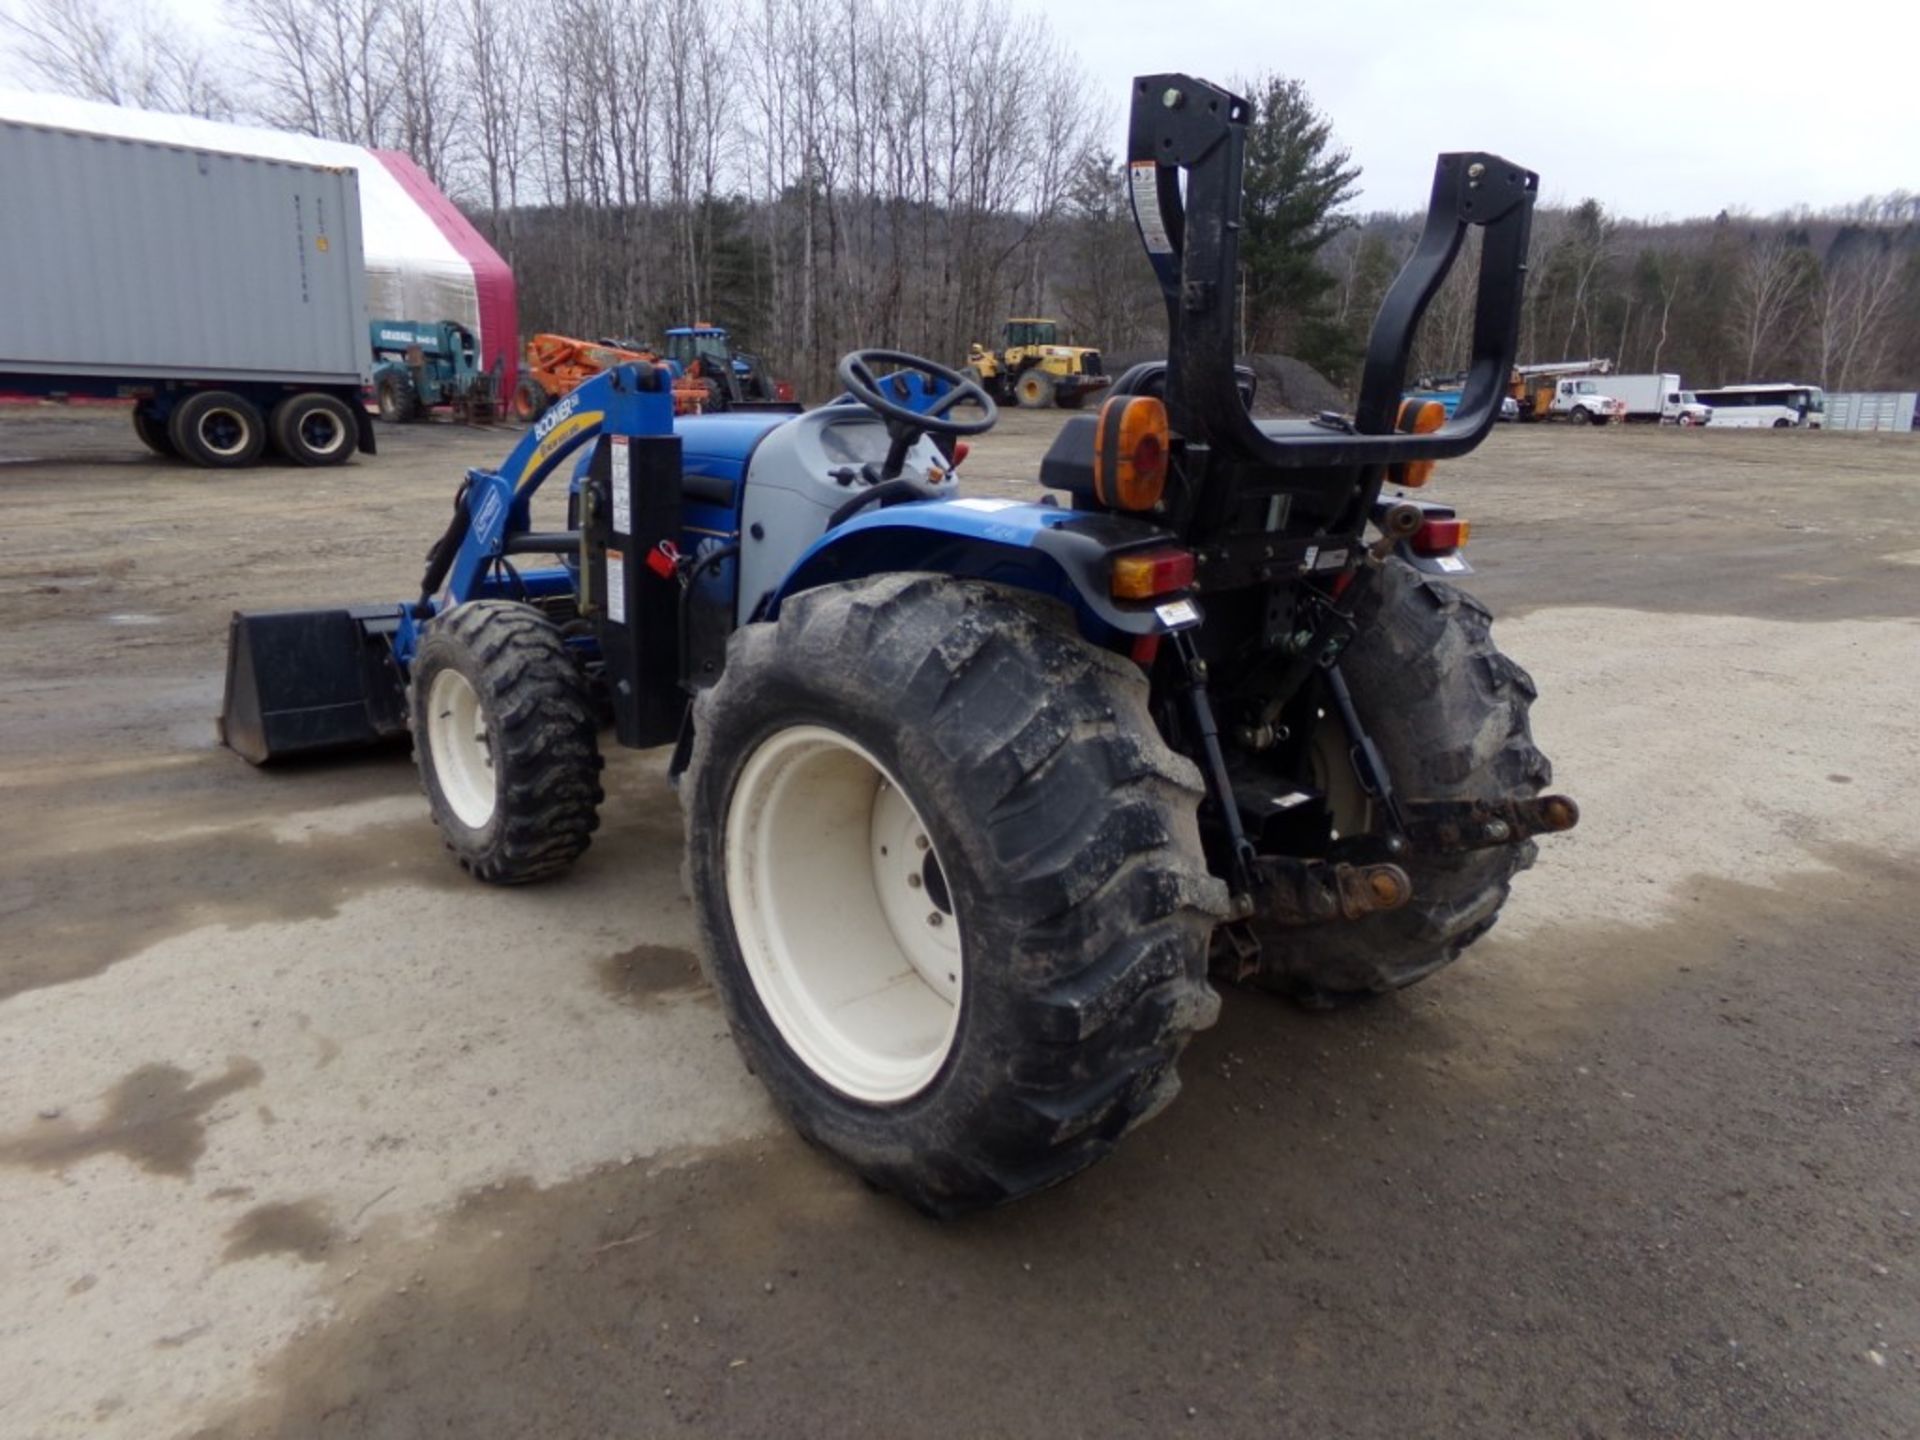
(1149, 377)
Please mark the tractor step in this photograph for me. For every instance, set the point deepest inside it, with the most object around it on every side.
(305, 682)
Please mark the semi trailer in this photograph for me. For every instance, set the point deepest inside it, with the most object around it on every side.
(224, 294)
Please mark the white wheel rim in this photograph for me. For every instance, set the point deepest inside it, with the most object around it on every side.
(243, 430)
(461, 747)
(336, 433)
(840, 906)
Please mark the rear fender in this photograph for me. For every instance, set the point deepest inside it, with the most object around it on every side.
(1050, 551)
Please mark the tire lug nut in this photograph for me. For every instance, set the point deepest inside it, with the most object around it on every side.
(921, 842)
(936, 919)
(913, 882)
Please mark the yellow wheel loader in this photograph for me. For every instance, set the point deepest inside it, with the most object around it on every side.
(1034, 369)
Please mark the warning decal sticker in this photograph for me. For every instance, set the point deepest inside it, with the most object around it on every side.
(1145, 184)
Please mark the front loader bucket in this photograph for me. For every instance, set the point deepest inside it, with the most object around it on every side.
(306, 682)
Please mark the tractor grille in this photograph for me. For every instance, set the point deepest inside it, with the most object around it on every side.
(1090, 363)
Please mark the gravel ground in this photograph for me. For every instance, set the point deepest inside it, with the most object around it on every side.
(303, 1134)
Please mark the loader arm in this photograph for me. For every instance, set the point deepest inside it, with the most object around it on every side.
(493, 511)
(303, 682)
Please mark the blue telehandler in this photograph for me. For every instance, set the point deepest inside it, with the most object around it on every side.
(979, 793)
(420, 365)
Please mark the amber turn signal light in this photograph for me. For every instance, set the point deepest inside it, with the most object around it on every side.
(1417, 417)
(1130, 453)
(1148, 574)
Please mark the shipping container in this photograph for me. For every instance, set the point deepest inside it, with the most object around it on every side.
(171, 274)
(1868, 410)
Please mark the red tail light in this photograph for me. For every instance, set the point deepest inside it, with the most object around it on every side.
(1440, 537)
(1144, 574)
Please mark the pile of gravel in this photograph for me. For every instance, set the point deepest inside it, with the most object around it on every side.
(1284, 385)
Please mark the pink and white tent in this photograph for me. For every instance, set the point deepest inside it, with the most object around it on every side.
(424, 261)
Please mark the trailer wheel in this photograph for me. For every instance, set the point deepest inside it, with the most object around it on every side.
(398, 398)
(218, 429)
(1035, 390)
(504, 735)
(530, 400)
(152, 431)
(950, 885)
(314, 428)
(1449, 713)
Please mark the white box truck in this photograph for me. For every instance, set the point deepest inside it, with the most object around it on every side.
(224, 294)
(1654, 399)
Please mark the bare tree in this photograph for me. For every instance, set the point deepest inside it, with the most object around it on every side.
(325, 66)
(1855, 309)
(123, 55)
(1768, 288)
(429, 98)
(494, 67)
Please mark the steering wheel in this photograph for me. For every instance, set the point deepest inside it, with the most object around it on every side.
(855, 371)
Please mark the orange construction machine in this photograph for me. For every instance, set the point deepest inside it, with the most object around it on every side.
(557, 363)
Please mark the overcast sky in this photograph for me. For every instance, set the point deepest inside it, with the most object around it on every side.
(1677, 108)
(1653, 109)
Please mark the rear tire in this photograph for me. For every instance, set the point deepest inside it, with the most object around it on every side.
(1034, 390)
(1062, 853)
(153, 432)
(505, 738)
(1783, 424)
(218, 429)
(1449, 713)
(530, 400)
(313, 428)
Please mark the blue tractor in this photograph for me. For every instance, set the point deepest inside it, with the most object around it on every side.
(419, 366)
(733, 378)
(978, 792)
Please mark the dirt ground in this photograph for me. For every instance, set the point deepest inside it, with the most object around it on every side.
(303, 1134)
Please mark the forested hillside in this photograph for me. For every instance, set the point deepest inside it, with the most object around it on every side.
(818, 173)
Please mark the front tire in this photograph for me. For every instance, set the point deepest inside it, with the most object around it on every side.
(530, 400)
(504, 734)
(1035, 390)
(1449, 713)
(398, 398)
(910, 747)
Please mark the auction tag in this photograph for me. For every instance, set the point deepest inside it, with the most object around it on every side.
(982, 503)
(1178, 614)
(1452, 564)
(616, 587)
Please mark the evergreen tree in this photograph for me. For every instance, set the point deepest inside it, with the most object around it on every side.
(1297, 180)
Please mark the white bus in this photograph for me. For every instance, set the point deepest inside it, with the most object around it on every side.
(1781, 407)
